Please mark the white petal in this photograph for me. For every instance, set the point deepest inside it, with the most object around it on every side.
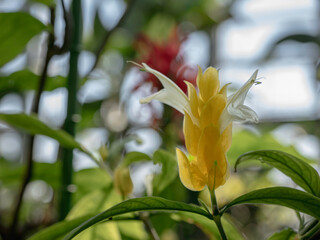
(171, 94)
(243, 114)
(235, 109)
(238, 98)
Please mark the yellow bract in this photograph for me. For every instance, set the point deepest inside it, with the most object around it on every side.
(207, 164)
(207, 124)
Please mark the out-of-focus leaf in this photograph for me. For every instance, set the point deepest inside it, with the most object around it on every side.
(303, 38)
(168, 172)
(133, 230)
(59, 230)
(11, 173)
(17, 28)
(286, 234)
(122, 41)
(90, 116)
(245, 141)
(116, 149)
(159, 27)
(132, 157)
(88, 180)
(208, 226)
(26, 80)
(93, 203)
(32, 125)
(98, 201)
(49, 3)
(98, 34)
(138, 204)
(283, 196)
(299, 171)
(48, 172)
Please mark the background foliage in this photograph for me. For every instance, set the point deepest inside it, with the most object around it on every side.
(69, 104)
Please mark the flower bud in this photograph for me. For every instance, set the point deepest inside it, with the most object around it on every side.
(122, 181)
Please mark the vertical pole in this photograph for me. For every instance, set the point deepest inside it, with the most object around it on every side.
(72, 87)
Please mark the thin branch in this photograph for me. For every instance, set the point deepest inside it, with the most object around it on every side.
(149, 227)
(67, 30)
(99, 50)
(35, 109)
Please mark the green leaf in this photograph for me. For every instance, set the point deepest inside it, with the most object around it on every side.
(132, 230)
(132, 157)
(138, 204)
(17, 28)
(97, 201)
(89, 180)
(11, 173)
(286, 234)
(49, 3)
(93, 203)
(245, 141)
(208, 226)
(168, 172)
(116, 148)
(48, 172)
(303, 38)
(58, 230)
(32, 125)
(26, 80)
(299, 171)
(283, 196)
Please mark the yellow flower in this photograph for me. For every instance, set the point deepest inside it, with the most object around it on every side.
(207, 125)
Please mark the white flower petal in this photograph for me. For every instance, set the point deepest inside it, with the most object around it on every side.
(238, 98)
(171, 94)
(243, 114)
(165, 97)
(235, 109)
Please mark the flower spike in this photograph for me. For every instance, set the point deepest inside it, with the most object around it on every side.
(207, 126)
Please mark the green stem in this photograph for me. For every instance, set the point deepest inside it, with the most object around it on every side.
(149, 227)
(72, 86)
(301, 221)
(309, 226)
(216, 215)
(214, 204)
(217, 220)
(310, 234)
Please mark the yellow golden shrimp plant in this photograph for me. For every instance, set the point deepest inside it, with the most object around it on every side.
(207, 125)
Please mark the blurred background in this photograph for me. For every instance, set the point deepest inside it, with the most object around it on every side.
(280, 38)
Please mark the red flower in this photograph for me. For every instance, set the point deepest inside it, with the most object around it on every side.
(166, 58)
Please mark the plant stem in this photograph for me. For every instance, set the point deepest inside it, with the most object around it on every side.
(309, 226)
(214, 204)
(72, 86)
(30, 140)
(312, 232)
(149, 227)
(216, 216)
(301, 221)
(217, 220)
